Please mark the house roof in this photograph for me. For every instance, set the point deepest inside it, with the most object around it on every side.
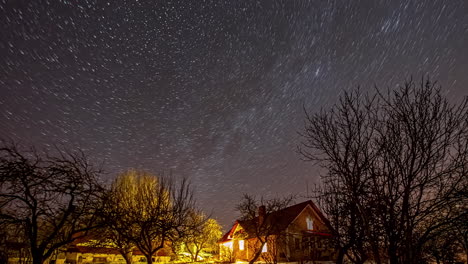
(83, 237)
(89, 243)
(95, 250)
(309, 233)
(282, 218)
(227, 237)
(107, 250)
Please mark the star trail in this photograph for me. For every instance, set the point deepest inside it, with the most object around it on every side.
(211, 90)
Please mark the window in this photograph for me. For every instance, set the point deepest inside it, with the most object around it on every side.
(307, 242)
(228, 244)
(99, 259)
(241, 244)
(320, 244)
(310, 223)
(297, 243)
(264, 248)
(314, 243)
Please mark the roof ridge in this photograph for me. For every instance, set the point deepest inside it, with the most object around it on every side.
(282, 209)
(284, 217)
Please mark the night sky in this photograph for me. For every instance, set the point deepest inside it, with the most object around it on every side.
(211, 90)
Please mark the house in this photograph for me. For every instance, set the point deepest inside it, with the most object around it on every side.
(103, 255)
(82, 251)
(85, 250)
(296, 233)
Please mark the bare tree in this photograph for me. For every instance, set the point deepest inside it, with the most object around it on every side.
(148, 211)
(204, 236)
(226, 254)
(398, 161)
(343, 137)
(449, 244)
(109, 237)
(276, 245)
(460, 228)
(3, 244)
(49, 199)
(116, 226)
(349, 235)
(261, 221)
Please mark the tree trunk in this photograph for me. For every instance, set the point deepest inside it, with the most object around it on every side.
(392, 253)
(197, 251)
(149, 259)
(257, 254)
(37, 256)
(376, 252)
(127, 253)
(466, 255)
(128, 258)
(37, 259)
(340, 257)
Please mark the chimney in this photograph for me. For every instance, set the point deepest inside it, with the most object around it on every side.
(261, 214)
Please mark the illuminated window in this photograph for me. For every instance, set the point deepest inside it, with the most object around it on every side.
(228, 244)
(241, 244)
(100, 259)
(264, 248)
(310, 223)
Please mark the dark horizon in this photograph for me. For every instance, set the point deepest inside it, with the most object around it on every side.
(211, 91)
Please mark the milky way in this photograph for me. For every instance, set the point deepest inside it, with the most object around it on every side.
(213, 90)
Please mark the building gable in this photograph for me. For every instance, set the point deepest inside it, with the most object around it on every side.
(295, 217)
(309, 220)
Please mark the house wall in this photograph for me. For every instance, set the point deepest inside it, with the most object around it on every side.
(99, 258)
(243, 255)
(237, 253)
(231, 251)
(311, 247)
(294, 245)
(252, 245)
(82, 258)
(300, 223)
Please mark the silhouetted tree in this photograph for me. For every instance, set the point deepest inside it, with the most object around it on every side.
(396, 163)
(3, 244)
(262, 223)
(349, 234)
(109, 237)
(449, 244)
(50, 200)
(204, 236)
(148, 211)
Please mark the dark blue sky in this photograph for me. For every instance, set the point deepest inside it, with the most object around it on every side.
(212, 90)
